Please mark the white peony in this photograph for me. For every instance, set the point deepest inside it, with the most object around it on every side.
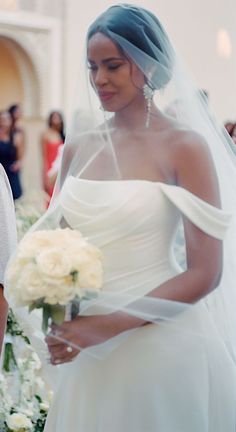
(61, 294)
(90, 276)
(33, 243)
(29, 287)
(18, 421)
(54, 262)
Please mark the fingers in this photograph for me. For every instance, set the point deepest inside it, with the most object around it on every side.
(62, 354)
(59, 347)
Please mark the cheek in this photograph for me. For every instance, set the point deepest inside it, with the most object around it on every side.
(91, 80)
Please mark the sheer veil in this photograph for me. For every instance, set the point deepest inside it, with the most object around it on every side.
(91, 135)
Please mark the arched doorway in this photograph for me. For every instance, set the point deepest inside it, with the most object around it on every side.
(20, 83)
(18, 78)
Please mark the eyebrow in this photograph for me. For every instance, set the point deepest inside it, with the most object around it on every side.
(109, 59)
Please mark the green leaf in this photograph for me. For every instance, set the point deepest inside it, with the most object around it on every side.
(9, 359)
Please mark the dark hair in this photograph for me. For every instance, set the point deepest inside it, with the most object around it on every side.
(13, 108)
(61, 131)
(137, 26)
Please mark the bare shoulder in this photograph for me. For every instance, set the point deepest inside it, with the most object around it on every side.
(191, 149)
(193, 164)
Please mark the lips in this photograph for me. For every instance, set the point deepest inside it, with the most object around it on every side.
(105, 96)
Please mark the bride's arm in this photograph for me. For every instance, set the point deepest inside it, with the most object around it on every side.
(195, 172)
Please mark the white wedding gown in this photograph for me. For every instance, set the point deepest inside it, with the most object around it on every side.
(160, 378)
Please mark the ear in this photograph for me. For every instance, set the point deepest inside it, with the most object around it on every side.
(137, 76)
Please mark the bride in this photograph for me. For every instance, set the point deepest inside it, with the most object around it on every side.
(156, 351)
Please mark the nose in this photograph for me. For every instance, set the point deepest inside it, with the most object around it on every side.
(100, 77)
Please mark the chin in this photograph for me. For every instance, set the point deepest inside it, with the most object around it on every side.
(108, 107)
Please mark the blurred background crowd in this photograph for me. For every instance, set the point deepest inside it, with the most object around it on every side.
(13, 147)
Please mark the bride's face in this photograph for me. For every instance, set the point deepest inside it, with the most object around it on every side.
(117, 81)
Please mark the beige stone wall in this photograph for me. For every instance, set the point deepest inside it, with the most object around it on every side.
(11, 88)
(32, 172)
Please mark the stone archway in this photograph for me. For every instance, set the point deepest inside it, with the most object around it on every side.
(18, 75)
(20, 83)
(33, 45)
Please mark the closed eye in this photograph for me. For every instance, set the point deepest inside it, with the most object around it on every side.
(110, 66)
(92, 67)
(113, 67)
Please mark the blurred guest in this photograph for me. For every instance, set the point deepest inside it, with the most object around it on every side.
(233, 133)
(7, 241)
(51, 143)
(16, 114)
(11, 152)
(229, 126)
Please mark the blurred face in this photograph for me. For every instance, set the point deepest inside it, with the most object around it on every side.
(17, 113)
(5, 120)
(234, 135)
(117, 81)
(229, 127)
(56, 119)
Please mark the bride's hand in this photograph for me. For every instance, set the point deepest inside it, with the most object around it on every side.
(66, 340)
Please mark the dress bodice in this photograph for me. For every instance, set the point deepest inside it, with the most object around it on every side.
(134, 223)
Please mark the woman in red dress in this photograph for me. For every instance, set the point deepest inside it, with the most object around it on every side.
(52, 140)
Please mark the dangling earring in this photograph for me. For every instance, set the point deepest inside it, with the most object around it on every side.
(148, 93)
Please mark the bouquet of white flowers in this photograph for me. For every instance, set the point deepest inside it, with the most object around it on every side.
(53, 268)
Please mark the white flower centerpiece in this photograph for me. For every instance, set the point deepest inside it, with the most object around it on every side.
(52, 269)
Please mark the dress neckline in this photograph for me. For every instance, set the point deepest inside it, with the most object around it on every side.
(124, 181)
(161, 185)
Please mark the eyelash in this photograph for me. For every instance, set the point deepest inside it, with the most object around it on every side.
(109, 67)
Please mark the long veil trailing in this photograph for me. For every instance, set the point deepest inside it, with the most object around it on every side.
(90, 154)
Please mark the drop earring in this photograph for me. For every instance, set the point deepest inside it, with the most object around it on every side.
(148, 93)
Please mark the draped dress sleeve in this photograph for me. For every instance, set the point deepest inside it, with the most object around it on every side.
(210, 219)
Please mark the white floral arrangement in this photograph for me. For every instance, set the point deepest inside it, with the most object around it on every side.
(18, 411)
(24, 397)
(26, 216)
(53, 268)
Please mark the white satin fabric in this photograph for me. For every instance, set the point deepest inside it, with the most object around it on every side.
(8, 235)
(162, 378)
